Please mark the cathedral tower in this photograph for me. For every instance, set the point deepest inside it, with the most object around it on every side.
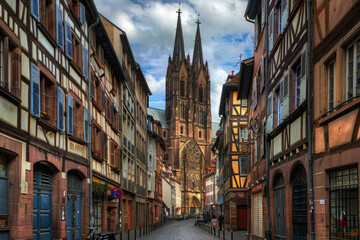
(188, 114)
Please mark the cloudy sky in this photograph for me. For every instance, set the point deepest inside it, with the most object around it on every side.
(150, 26)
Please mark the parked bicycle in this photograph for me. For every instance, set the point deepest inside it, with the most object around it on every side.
(100, 236)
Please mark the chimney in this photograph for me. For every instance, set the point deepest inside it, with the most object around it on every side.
(232, 73)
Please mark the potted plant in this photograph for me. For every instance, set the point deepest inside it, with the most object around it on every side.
(44, 115)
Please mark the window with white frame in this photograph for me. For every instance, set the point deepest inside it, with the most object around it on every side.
(243, 133)
(331, 84)
(353, 70)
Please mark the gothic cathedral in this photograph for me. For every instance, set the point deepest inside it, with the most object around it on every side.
(188, 114)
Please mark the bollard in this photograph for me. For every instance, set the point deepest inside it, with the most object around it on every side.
(140, 232)
(128, 233)
(218, 232)
(135, 233)
(120, 235)
(232, 234)
(211, 230)
(223, 234)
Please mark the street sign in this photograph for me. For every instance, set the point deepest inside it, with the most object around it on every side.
(116, 192)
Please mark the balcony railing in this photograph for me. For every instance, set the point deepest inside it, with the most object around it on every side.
(140, 190)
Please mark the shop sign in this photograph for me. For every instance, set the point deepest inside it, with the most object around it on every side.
(256, 188)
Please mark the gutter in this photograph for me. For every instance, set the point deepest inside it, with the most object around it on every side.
(266, 75)
(90, 121)
(309, 120)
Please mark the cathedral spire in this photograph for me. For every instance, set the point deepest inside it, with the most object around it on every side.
(198, 57)
(179, 50)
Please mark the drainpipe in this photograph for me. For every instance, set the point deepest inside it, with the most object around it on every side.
(309, 120)
(147, 164)
(266, 75)
(90, 120)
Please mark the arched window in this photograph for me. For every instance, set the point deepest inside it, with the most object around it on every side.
(199, 134)
(182, 88)
(200, 93)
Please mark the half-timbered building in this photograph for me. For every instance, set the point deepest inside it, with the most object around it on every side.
(336, 118)
(44, 118)
(286, 116)
(233, 155)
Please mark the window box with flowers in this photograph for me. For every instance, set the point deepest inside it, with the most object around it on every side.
(97, 155)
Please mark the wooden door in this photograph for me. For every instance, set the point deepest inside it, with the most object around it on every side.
(242, 217)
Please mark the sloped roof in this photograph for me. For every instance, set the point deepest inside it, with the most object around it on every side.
(158, 114)
(214, 127)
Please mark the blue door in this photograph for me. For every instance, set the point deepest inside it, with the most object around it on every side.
(73, 207)
(4, 214)
(42, 205)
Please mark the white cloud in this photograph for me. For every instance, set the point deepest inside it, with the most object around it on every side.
(150, 26)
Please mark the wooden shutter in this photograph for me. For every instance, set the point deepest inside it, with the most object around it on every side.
(303, 75)
(86, 124)
(254, 92)
(35, 9)
(112, 153)
(70, 114)
(262, 73)
(82, 14)
(103, 100)
(271, 29)
(285, 96)
(60, 109)
(59, 27)
(284, 14)
(15, 71)
(35, 91)
(85, 61)
(270, 114)
(68, 40)
(101, 55)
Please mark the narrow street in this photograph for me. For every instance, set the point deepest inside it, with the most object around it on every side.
(180, 230)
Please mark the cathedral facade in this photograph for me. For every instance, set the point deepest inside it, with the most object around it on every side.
(188, 115)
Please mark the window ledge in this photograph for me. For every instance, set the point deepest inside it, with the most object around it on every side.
(340, 112)
(77, 140)
(47, 124)
(97, 158)
(9, 96)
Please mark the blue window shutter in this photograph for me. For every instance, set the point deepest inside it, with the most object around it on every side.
(59, 27)
(60, 107)
(68, 40)
(82, 14)
(86, 125)
(85, 61)
(70, 115)
(35, 91)
(35, 9)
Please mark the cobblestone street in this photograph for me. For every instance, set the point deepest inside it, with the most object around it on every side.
(180, 230)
